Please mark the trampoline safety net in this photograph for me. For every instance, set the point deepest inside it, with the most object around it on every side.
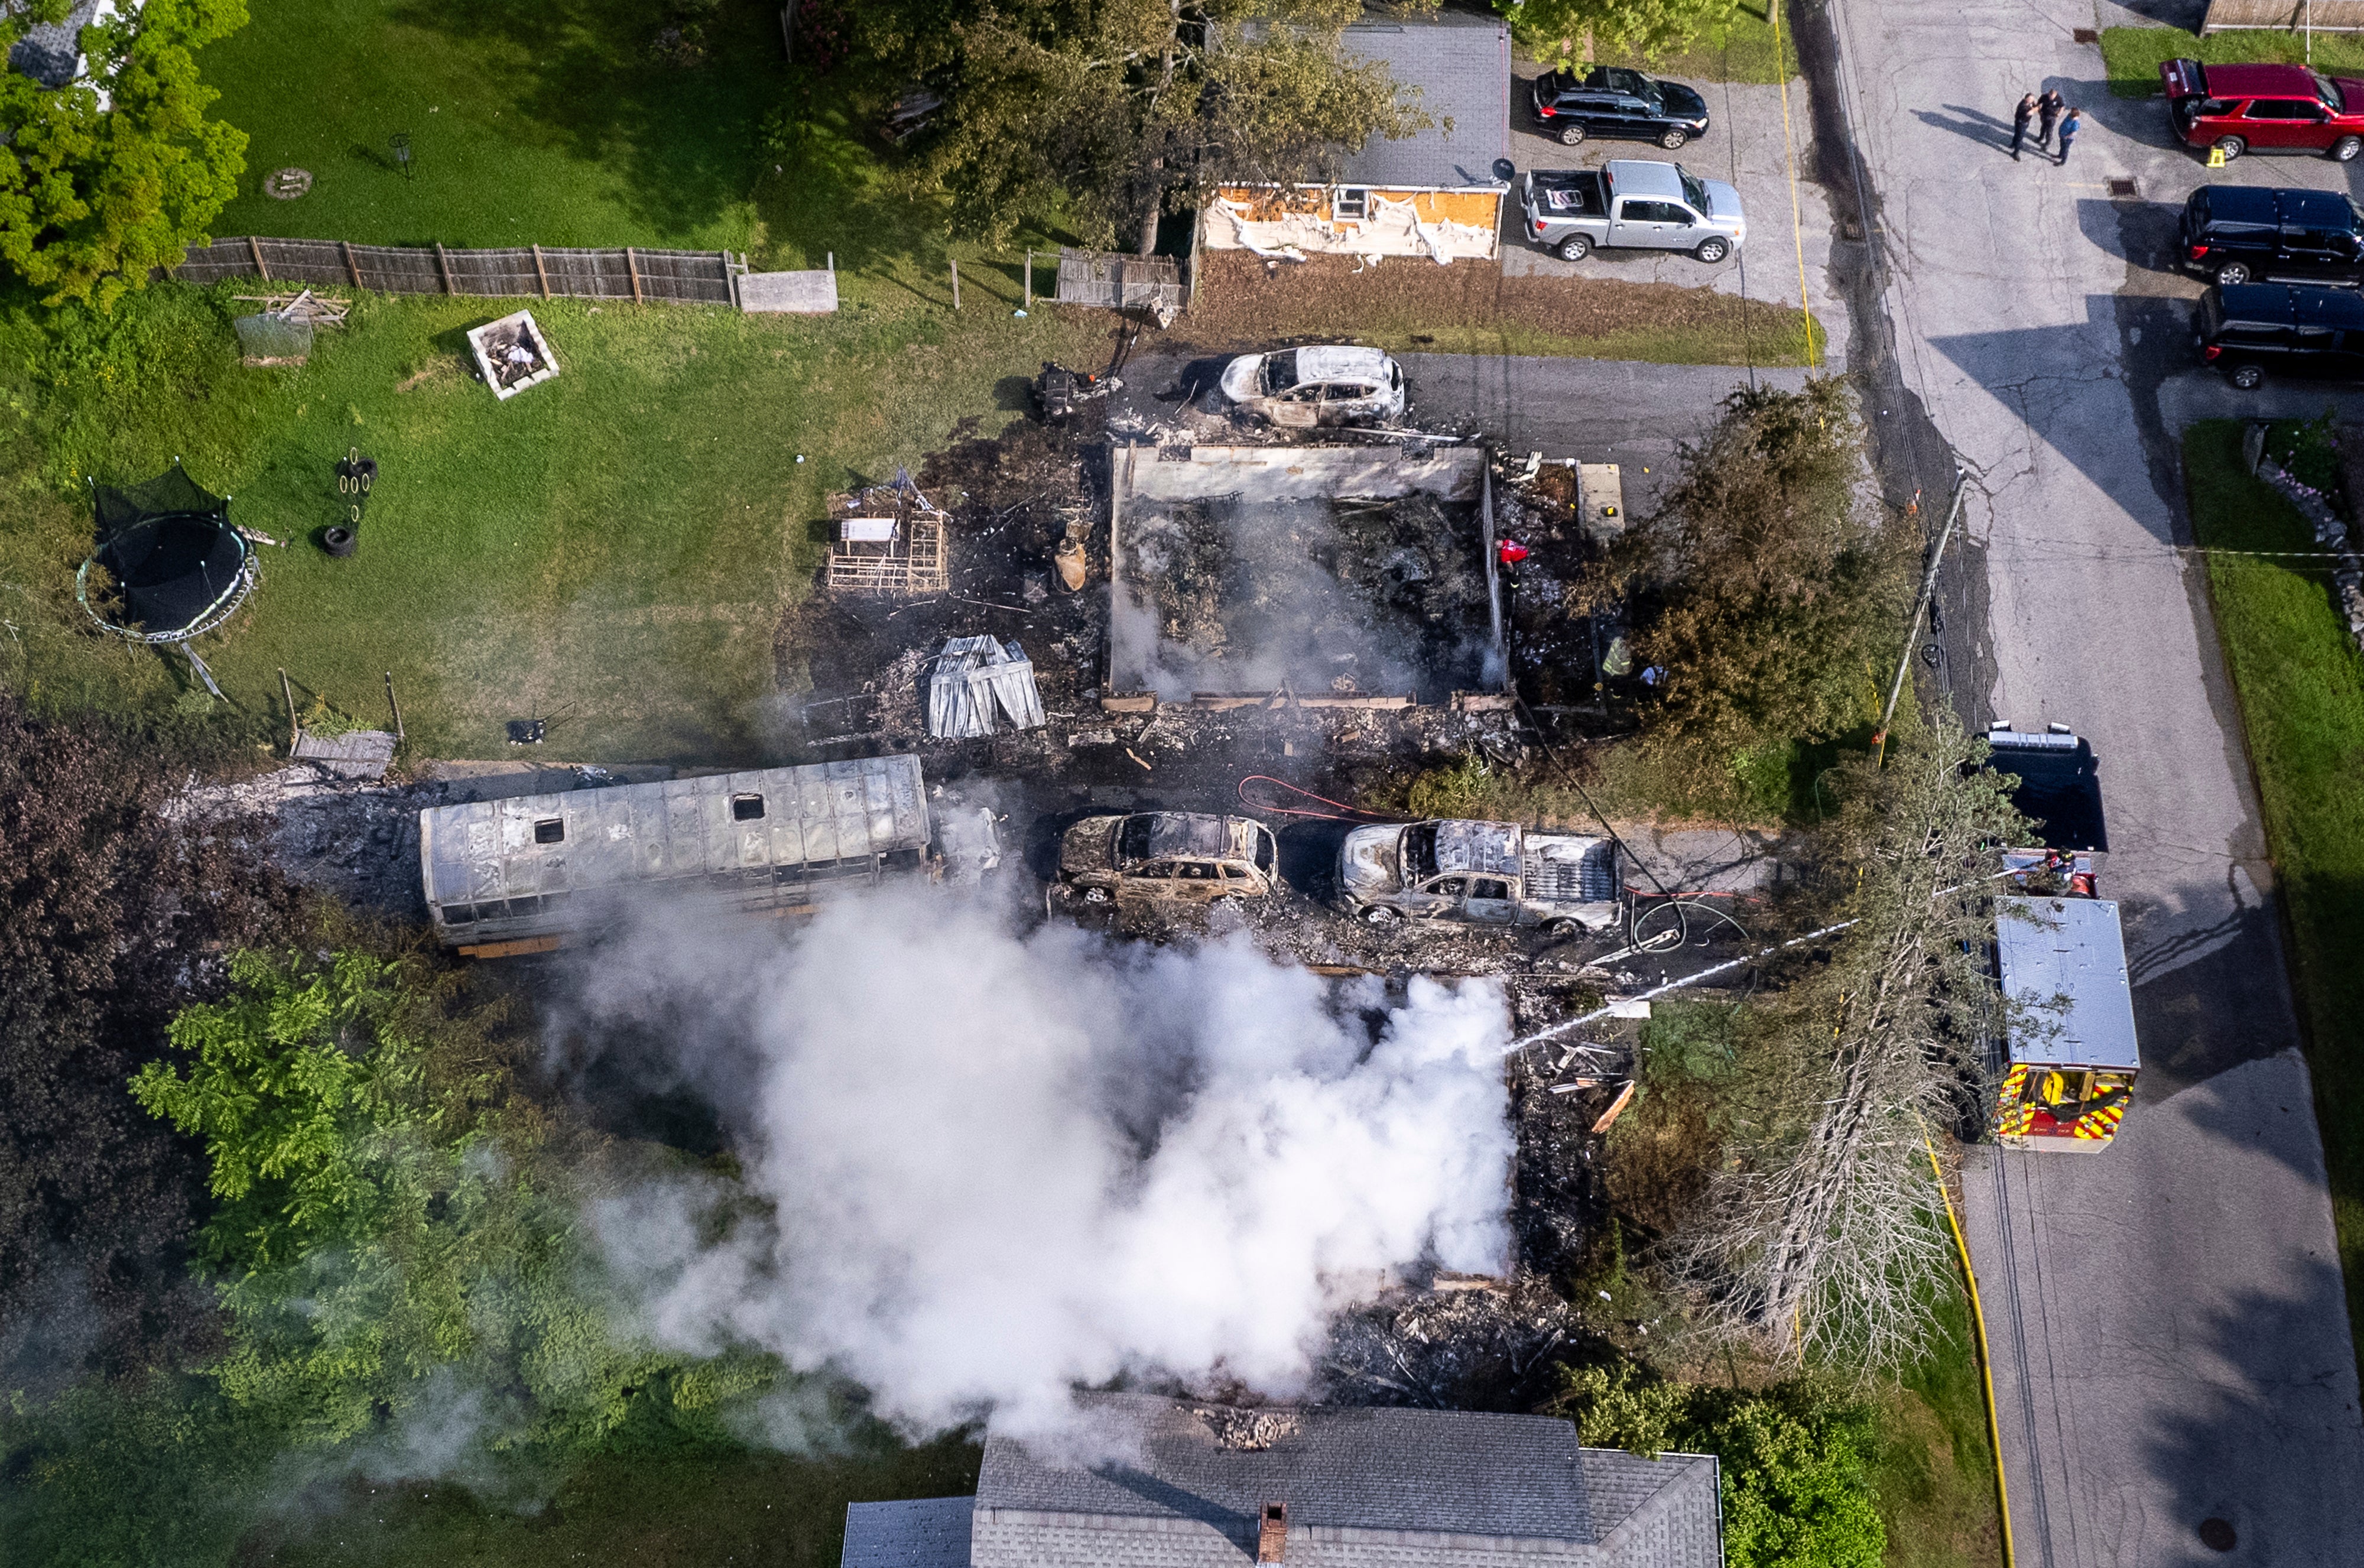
(173, 565)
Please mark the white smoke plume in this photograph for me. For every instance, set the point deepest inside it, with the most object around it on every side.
(1005, 1164)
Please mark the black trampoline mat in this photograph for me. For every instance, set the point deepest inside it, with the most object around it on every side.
(171, 570)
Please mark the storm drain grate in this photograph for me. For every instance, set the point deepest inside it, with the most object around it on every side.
(2084, 35)
(2121, 187)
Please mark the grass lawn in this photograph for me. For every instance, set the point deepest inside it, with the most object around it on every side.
(618, 543)
(2301, 683)
(1740, 50)
(1934, 1470)
(532, 121)
(2133, 55)
(768, 1510)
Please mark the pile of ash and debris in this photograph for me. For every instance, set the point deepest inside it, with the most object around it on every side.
(1344, 595)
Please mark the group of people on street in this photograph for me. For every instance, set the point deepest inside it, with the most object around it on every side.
(2049, 111)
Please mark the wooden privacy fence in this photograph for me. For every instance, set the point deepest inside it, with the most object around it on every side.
(1113, 281)
(683, 277)
(2285, 15)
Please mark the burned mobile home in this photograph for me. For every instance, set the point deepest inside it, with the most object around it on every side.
(525, 874)
(1354, 574)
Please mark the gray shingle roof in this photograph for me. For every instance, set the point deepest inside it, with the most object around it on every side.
(930, 1532)
(1406, 1488)
(1462, 66)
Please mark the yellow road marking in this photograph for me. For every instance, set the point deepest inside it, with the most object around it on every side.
(1790, 157)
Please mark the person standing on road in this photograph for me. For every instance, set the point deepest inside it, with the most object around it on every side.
(2047, 109)
(2019, 119)
(2068, 129)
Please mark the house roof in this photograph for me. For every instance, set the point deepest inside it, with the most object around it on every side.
(1434, 1489)
(1462, 66)
(926, 1532)
(50, 52)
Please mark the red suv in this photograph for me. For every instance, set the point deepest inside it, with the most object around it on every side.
(2239, 108)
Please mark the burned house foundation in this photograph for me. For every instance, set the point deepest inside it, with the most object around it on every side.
(1337, 577)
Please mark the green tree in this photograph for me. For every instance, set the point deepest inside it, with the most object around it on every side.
(1797, 1485)
(1648, 28)
(1115, 111)
(1762, 589)
(389, 1246)
(115, 174)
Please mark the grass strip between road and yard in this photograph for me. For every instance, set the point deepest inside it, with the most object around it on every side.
(2300, 682)
(2133, 55)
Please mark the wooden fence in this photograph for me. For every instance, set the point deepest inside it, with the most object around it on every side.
(2285, 15)
(683, 277)
(1114, 281)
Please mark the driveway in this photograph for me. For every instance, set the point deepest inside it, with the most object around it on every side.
(2171, 1337)
(1745, 147)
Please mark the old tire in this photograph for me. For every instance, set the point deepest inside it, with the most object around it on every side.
(1712, 250)
(2248, 378)
(1571, 133)
(1673, 141)
(339, 541)
(2345, 149)
(1378, 915)
(2231, 147)
(1575, 248)
(1095, 895)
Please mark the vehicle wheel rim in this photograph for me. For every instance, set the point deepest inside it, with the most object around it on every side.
(1571, 135)
(1672, 141)
(2347, 150)
(2247, 377)
(2231, 147)
(2232, 276)
(1711, 252)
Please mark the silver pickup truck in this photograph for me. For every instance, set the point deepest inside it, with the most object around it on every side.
(1488, 874)
(1633, 204)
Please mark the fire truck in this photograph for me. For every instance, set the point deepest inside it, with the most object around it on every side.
(2067, 1053)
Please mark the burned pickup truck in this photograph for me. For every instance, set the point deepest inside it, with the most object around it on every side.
(1487, 874)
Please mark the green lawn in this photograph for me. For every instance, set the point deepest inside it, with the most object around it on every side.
(2300, 684)
(531, 121)
(2133, 55)
(1741, 49)
(1934, 1470)
(755, 1510)
(618, 543)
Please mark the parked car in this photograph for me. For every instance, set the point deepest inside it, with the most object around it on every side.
(1611, 101)
(1186, 856)
(1337, 385)
(2238, 234)
(2249, 330)
(1486, 873)
(2261, 108)
(1631, 202)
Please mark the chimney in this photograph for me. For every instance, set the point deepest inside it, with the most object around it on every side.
(1272, 1537)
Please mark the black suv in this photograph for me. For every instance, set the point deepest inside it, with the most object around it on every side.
(2246, 329)
(1611, 101)
(2235, 234)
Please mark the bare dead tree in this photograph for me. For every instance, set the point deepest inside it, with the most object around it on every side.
(1818, 1236)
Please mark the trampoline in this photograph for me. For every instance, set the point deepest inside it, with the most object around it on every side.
(170, 566)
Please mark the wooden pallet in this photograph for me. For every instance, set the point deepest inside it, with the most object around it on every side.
(914, 563)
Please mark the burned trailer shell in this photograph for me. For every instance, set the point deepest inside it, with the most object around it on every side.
(524, 874)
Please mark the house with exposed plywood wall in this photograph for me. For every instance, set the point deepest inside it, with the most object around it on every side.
(1434, 194)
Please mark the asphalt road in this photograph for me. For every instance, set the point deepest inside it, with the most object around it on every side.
(2170, 1333)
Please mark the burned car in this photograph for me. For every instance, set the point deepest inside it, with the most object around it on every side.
(1302, 388)
(1183, 855)
(1488, 874)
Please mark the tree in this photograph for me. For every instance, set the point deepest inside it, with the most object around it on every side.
(1797, 1489)
(1116, 111)
(1765, 594)
(1647, 28)
(114, 911)
(1818, 1234)
(112, 174)
(395, 1252)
